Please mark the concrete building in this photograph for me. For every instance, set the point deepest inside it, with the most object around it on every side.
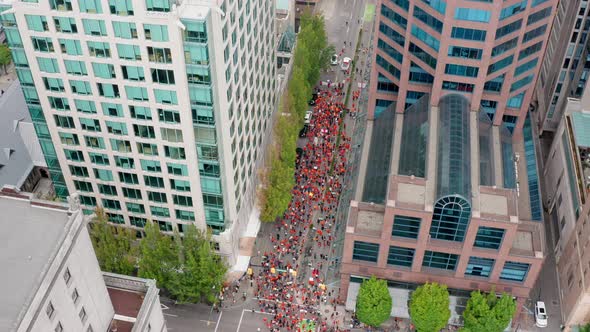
(489, 51)
(153, 110)
(51, 279)
(567, 173)
(566, 64)
(449, 197)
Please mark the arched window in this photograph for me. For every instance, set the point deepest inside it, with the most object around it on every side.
(450, 218)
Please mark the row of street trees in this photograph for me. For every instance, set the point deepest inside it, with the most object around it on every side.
(312, 54)
(185, 266)
(429, 308)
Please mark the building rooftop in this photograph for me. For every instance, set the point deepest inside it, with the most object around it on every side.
(26, 259)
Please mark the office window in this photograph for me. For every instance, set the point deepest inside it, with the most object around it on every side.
(440, 260)
(393, 16)
(163, 76)
(48, 65)
(495, 84)
(80, 171)
(181, 185)
(526, 66)
(460, 70)
(438, 5)
(111, 204)
(417, 74)
(115, 218)
(41, 44)
(430, 20)
(472, 14)
(136, 93)
(147, 149)
(99, 158)
(508, 29)
(36, 23)
(479, 267)
(392, 52)
(103, 70)
(458, 86)
(121, 7)
(515, 271)
(88, 201)
(166, 97)
(468, 34)
(159, 55)
(159, 211)
(137, 221)
(157, 197)
(125, 162)
(182, 200)
(69, 139)
(537, 32)
(500, 64)
(80, 87)
(530, 50)
(196, 31)
(140, 112)
(70, 47)
(120, 145)
(108, 190)
(171, 135)
(85, 106)
(94, 27)
(144, 131)
(99, 49)
(125, 30)
(158, 5)
(150, 166)
(83, 186)
(64, 121)
(128, 52)
(53, 84)
(489, 237)
(521, 82)
(425, 37)
(194, 74)
(400, 256)
(74, 67)
(174, 152)
(513, 9)
(177, 169)
(103, 174)
(108, 90)
(505, 46)
(539, 15)
(365, 251)
(74, 155)
(133, 73)
(156, 32)
(423, 55)
(111, 109)
(465, 52)
(90, 6)
(392, 34)
(116, 128)
(211, 186)
(94, 142)
(135, 208)
(61, 5)
(131, 193)
(185, 215)
(388, 67)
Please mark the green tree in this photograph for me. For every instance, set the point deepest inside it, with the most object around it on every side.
(5, 58)
(585, 328)
(158, 258)
(373, 302)
(114, 246)
(487, 312)
(429, 307)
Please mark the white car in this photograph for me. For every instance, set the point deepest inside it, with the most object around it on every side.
(308, 115)
(334, 60)
(346, 63)
(540, 314)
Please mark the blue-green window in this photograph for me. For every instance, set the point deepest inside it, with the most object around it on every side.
(80, 87)
(79, 171)
(89, 201)
(99, 49)
(25, 77)
(194, 74)
(147, 149)
(538, 2)
(177, 169)
(135, 208)
(90, 6)
(479, 267)
(430, 20)
(157, 197)
(400, 256)
(461, 70)
(120, 145)
(193, 54)
(116, 128)
(513, 9)
(129, 178)
(530, 50)
(532, 175)
(185, 215)
(200, 95)
(42, 44)
(501, 64)
(166, 96)
(514, 271)
(74, 67)
(121, 7)
(126, 30)
(94, 27)
(423, 55)
(365, 251)
(137, 221)
(14, 40)
(128, 52)
(387, 66)
(107, 189)
(90, 124)
(153, 181)
(85, 106)
(182, 185)
(182, 200)
(393, 16)
(103, 174)
(99, 158)
(133, 73)
(438, 5)
(53, 84)
(392, 34)
(450, 218)
(31, 96)
(37, 22)
(108, 90)
(521, 82)
(211, 186)
(70, 46)
(160, 211)
(165, 76)
(48, 65)
(495, 84)
(468, 34)
(83, 186)
(150, 165)
(505, 46)
(69, 139)
(65, 24)
(125, 162)
(465, 52)
(425, 37)
(158, 5)
(440, 260)
(111, 204)
(140, 112)
(537, 16)
(156, 32)
(136, 93)
(103, 70)
(168, 116)
(508, 29)
(417, 74)
(111, 109)
(196, 31)
(458, 86)
(404, 4)
(472, 14)
(537, 32)
(405, 226)
(386, 85)
(526, 66)
(94, 142)
(392, 52)
(489, 237)
(144, 131)
(74, 155)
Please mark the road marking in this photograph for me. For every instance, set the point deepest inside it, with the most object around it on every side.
(351, 15)
(218, 319)
(164, 307)
(347, 30)
(171, 315)
(240, 323)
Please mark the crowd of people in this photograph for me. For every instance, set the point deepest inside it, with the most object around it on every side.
(289, 284)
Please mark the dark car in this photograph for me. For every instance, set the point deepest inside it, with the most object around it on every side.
(303, 131)
(314, 97)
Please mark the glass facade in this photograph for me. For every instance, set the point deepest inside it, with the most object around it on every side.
(489, 237)
(440, 260)
(515, 271)
(479, 267)
(414, 137)
(400, 256)
(404, 226)
(365, 251)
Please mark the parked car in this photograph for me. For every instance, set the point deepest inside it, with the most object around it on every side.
(308, 116)
(540, 314)
(303, 131)
(346, 63)
(334, 60)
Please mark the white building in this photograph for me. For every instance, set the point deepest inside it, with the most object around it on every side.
(51, 280)
(153, 109)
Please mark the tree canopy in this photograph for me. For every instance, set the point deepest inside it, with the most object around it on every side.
(373, 302)
(429, 307)
(488, 312)
(5, 58)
